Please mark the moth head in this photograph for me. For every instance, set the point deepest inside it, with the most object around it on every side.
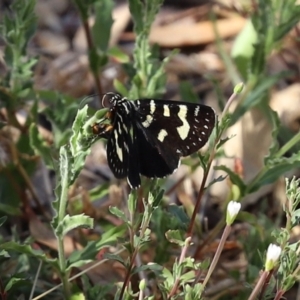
(110, 99)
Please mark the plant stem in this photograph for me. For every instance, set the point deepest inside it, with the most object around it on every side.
(206, 171)
(213, 264)
(181, 259)
(259, 285)
(144, 226)
(63, 198)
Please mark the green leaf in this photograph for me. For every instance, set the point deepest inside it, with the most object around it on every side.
(40, 146)
(118, 213)
(132, 202)
(275, 125)
(26, 249)
(257, 95)
(115, 257)
(61, 191)
(178, 216)
(14, 282)
(176, 237)
(275, 168)
(235, 178)
(2, 220)
(77, 296)
(295, 217)
(120, 87)
(187, 93)
(75, 141)
(137, 12)
(169, 279)
(154, 267)
(103, 23)
(118, 55)
(86, 255)
(10, 209)
(289, 18)
(69, 223)
(215, 180)
(4, 254)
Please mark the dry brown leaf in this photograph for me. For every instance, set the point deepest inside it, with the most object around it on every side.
(44, 235)
(69, 73)
(176, 35)
(287, 104)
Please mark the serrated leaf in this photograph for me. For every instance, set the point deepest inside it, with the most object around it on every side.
(69, 223)
(75, 139)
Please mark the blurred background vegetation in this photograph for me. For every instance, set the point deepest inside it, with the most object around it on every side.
(68, 228)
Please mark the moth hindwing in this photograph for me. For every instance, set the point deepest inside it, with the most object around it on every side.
(148, 137)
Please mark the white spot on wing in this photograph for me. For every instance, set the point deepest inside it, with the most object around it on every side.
(184, 129)
(205, 126)
(119, 150)
(166, 111)
(148, 121)
(162, 134)
(197, 110)
(152, 107)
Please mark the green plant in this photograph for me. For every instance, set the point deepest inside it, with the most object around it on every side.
(147, 219)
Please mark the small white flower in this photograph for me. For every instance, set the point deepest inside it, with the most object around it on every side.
(233, 209)
(273, 254)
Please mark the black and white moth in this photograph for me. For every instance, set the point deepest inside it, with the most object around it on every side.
(148, 136)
